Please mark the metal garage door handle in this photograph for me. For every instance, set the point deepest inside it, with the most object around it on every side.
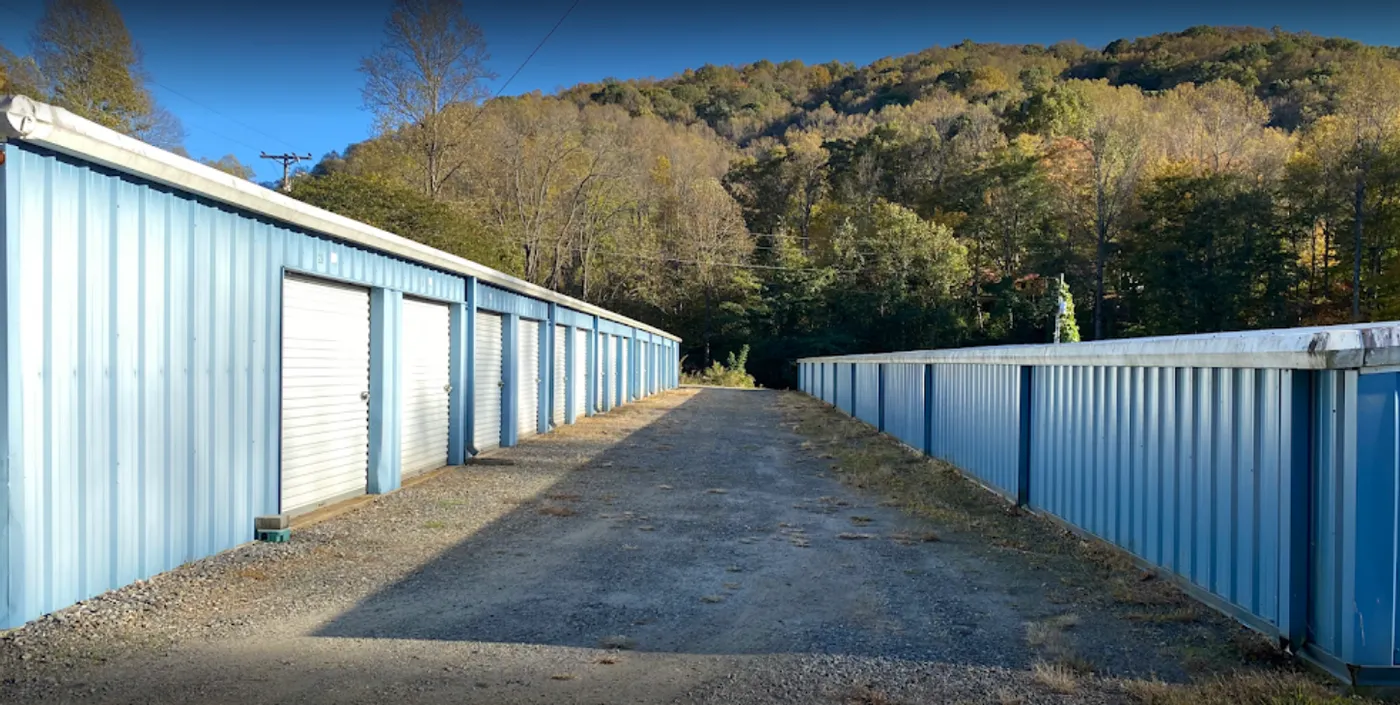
(364, 396)
(447, 388)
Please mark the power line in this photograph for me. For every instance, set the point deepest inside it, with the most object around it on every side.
(225, 116)
(482, 108)
(200, 128)
(539, 46)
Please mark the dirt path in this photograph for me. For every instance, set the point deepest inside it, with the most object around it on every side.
(693, 548)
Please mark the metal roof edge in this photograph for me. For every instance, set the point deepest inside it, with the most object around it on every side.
(22, 118)
(1321, 348)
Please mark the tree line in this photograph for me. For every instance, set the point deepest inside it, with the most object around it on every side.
(1206, 180)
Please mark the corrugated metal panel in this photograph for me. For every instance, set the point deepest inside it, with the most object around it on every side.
(617, 329)
(845, 398)
(867, 397)
(569, 317)
(1184, 467)
(1352, 613)
(976, 421)
(490, 298)
(904, 403)
(145, 336)
(143, 339)
(1350, 346)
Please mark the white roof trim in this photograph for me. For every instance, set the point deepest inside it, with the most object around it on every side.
(55, 128)
(1328, 348)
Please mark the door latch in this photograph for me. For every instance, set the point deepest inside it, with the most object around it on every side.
(364, 396)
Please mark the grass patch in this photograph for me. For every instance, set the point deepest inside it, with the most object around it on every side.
(909, 538)
(1055, 677)
(1240, 688)
(434, 524)
(712, 599)
(861, 521)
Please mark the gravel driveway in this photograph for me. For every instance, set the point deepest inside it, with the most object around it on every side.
(691, 548)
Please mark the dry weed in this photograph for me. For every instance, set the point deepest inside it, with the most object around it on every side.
(1055, 677)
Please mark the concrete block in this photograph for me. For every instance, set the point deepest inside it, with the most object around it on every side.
(276, 522)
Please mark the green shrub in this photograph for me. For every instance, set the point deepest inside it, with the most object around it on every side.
(731, 373)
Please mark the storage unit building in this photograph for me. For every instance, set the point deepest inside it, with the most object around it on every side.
(1259, 470)
(185, 351)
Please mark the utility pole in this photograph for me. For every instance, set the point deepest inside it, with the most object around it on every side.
(286, 160)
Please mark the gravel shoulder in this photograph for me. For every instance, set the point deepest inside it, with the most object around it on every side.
(702, 546)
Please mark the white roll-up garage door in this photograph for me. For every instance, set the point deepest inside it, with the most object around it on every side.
(560, 372)
(425, 377)
(624, 377)
(527, 407)
(645, 362)
(578, 377)
(486, 397)
(325, 392)
(600, 379)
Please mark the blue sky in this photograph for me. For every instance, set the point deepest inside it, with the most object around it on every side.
(279, 75)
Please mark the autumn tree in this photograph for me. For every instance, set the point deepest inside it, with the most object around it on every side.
(1109, 128)
(91, 66)
(19, 75)
(429, 71)
(1366, 139)
(229, 164)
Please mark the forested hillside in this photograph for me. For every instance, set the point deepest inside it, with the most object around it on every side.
(1212, 179)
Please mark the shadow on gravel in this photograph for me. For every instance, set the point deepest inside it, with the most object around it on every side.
(701, 532)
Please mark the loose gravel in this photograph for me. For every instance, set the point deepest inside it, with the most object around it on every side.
(690, 548)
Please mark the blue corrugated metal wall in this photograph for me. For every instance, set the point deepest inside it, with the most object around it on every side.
(867, 395)
(142, 331)
(976, 412)
(1353, 571)
(1272, 494)
(1185, 467)
(147, 342)
(845, 396)
(904, 403)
